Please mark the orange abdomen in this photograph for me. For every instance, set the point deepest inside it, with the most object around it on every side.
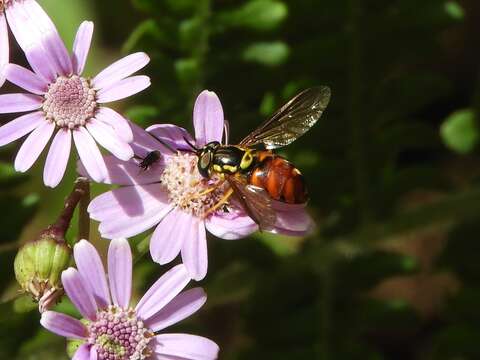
(279, 178)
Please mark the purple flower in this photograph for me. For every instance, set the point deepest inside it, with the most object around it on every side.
(111, 328)
(169, 194)
(66, 103)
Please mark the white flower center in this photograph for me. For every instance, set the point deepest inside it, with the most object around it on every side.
(70, 102)
(189, 190)
(119, 335)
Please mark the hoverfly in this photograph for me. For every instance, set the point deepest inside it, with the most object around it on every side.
(257, 177)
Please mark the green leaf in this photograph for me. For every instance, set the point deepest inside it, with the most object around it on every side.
(460, 132)
(257, 15)
(267, 107)
(455, 10)
(190, 32)
(147, 29)
(187, 70)
(268, 54)
(145, 5)
(142, 114)
(279, 244)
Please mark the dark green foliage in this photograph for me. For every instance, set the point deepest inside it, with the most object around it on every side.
(394, 155)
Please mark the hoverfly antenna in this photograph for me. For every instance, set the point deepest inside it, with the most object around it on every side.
(194, 148)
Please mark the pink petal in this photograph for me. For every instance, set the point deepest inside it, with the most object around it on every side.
(180, 308)
(26, 79)
(170, 235)
(57, 158)
(120, 272)
(123, 88)
(19, 127)
(117, 121)
(33, 146)
(106, 136)
(172, 135)
(294, 223)
(90, 154)
(53, 44)
(143, 143)
(63, 325)
(82, 353)
(231, 227)
(194, 250)
(4, 47)
(79, 293)
(12, 103)
(130, 210)
(21, 26)
(162, 292)
(208, 118)
(91, 268)
(81, 46)
(120, 70)
(186, 346)
(127, 172)
(41, 65)
(93, 353)
(28, 37)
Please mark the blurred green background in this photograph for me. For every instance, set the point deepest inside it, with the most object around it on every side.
(392, 271)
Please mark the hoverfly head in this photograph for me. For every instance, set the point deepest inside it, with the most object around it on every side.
(205, 158)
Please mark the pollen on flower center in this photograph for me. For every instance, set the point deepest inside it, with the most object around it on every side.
(118, 334)
(186, 188)
(70, 102)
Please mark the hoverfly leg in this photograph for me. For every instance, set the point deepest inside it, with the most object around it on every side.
(207, 191)
(220, 202)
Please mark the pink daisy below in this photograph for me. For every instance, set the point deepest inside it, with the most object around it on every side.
(65, 102)
(112, 330)
(169, 193)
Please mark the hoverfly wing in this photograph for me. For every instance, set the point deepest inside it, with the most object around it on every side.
(293, 119)
(255, 201)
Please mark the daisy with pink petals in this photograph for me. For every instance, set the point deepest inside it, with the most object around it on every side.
(65, 104)
(114, 330)
(171, 195)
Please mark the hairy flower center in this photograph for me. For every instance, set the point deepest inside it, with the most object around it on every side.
(70, 102)
(119, 335)
(187, 189)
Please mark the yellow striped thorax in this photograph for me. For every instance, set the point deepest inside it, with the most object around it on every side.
(224, 159)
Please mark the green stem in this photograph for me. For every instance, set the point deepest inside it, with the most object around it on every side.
(78, 193)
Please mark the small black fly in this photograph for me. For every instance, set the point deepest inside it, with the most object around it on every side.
(151, 158)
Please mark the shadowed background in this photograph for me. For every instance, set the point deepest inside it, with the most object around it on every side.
(393, 168)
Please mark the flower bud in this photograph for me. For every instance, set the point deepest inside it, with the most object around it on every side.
(39, 265)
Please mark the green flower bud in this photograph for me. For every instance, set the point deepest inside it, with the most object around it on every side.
(39, 265)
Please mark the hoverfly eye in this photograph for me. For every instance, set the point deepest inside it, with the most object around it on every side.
(204, 164)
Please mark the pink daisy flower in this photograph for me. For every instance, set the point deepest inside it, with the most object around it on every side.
(168, 195)
(66, 103)
(112, 329)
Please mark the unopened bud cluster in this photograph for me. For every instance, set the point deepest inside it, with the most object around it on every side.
(38, 268)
